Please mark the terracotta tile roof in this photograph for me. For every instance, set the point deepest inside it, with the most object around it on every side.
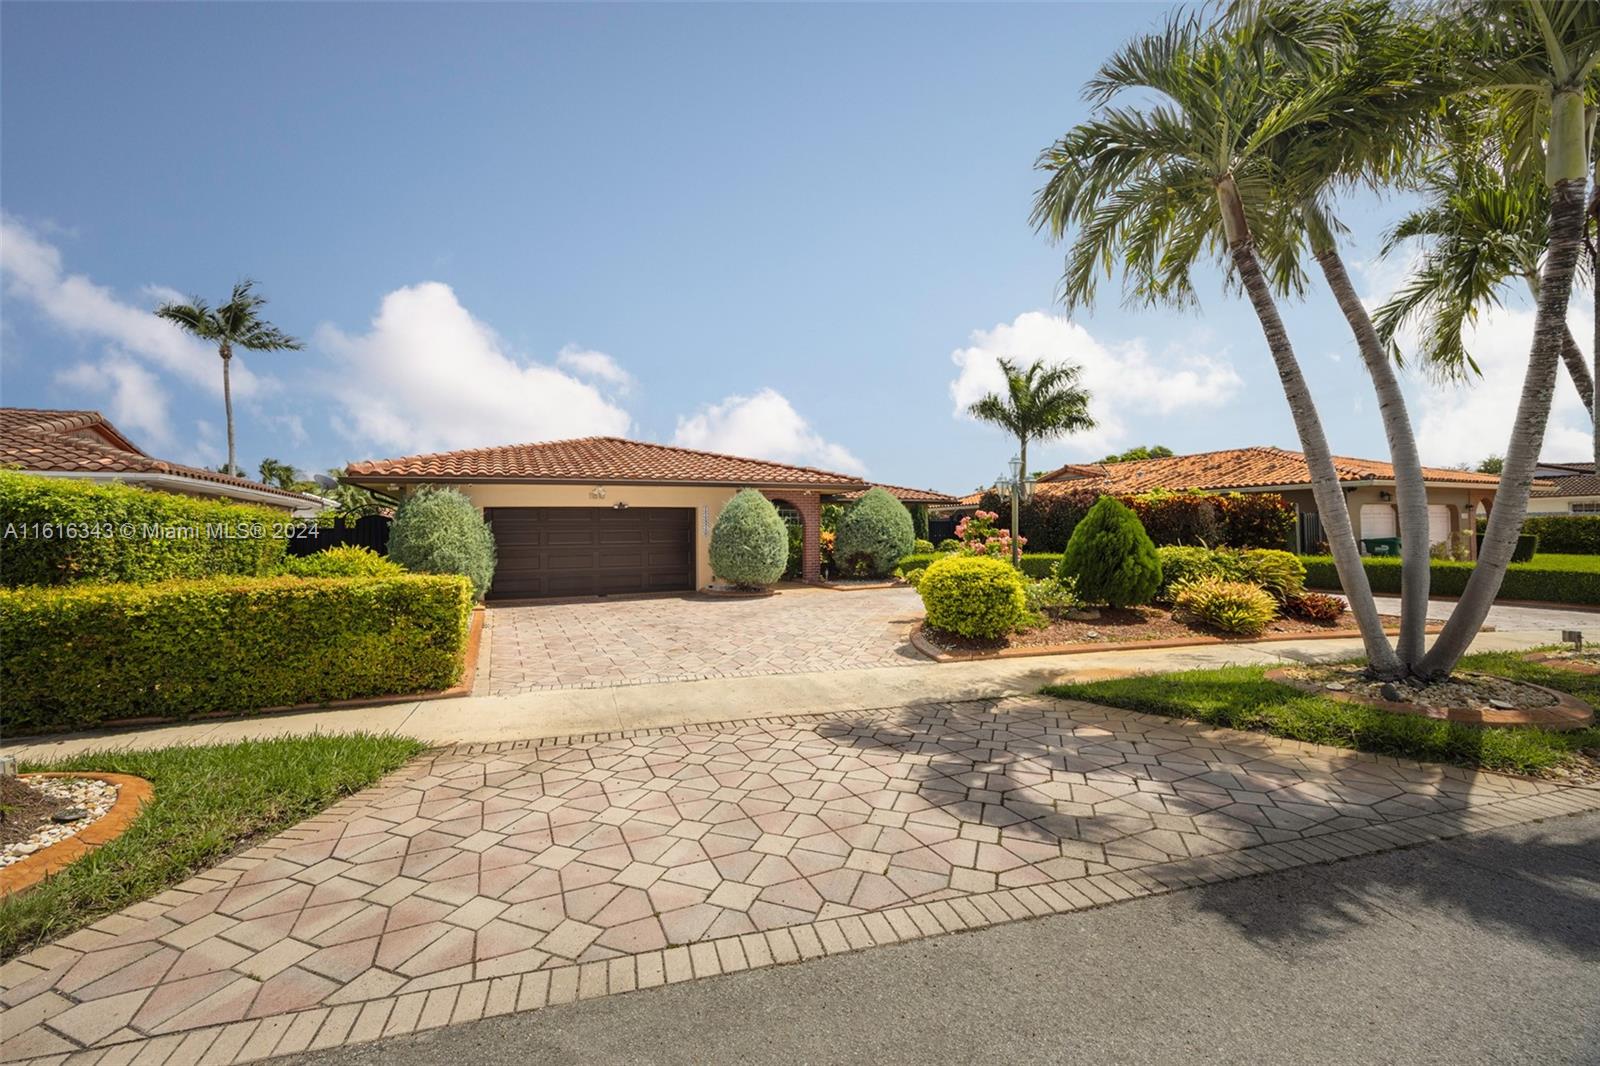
(903, 494)
(596, 459)
(1235, 468)
(82, 441)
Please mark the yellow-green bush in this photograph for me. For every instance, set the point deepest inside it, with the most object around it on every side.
(345, 561)
(973, 596)
(74, 657)
(1231, 606)
(60, 530)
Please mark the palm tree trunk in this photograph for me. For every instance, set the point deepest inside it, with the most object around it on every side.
(1325, 488)
(1411, 491)
(227, 402)
(1527, 435)
(1572, 355)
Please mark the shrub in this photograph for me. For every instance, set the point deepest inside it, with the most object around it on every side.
(60, 530)
(1178, 517)
(1564, 534)
(1111, 558)
(873, 535)
(1541, 579)
(1256, 520)
(1051, 596)
(439, 531)
(919, 523)
(1314, 606)
(78, 656)
(1231, 606)
(1239, 520)
(1180, 563)
(1281, 573)
(912, 577)
(973, 596)
(1527, 547)
(345, 561)
(750, 542)
(921, 547)
(949, 544)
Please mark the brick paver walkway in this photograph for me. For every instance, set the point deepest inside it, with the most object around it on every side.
(482, 881)
(596, 643)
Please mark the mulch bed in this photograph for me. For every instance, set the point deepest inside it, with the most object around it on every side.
(1130, 625)
(22, 810)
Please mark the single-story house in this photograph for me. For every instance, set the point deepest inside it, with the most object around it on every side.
(1454, 496)
(601, 515)
(1571, 488)
(85, 445)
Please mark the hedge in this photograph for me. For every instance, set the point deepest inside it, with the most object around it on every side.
(1564, 534)
(78, 656)
(1234, 519)
(1037, 565)
(1523, 581)
(60, 530)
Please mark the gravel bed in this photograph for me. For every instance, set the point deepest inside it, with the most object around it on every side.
(1475, 692)
(64, 795)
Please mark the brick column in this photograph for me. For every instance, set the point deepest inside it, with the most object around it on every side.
(809, 504)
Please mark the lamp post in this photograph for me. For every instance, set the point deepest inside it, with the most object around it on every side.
(1017, 475)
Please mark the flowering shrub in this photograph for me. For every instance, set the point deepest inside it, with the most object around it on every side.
(829, 537)
(979, 536)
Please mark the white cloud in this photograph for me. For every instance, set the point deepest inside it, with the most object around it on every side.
(33, 271)
(428, 376)
(1125, 381)
(137, 403)
(595, 366)
(763, 426)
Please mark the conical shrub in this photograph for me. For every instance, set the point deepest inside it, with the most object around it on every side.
(1111, 557)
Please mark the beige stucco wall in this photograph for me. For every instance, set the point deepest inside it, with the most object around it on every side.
(1463, 500)
(707, 501)
(1559, 504)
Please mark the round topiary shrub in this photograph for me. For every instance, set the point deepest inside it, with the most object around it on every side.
(973, 596)
(750, 542)
(439, 531)
(874, 536)
(1111, 557)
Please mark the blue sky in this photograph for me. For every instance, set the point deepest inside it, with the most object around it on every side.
(792, 231)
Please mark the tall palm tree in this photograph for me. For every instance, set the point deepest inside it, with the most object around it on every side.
(236, 324)
(1042, 401)
(1198, 171)
(1536, 62)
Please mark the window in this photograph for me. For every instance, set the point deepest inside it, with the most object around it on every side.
(1585, 507)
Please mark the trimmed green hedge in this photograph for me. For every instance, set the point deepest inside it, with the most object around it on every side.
(1564, 534)
(1540, 579)
(60, 530)
(1037, 565)
(72, 658)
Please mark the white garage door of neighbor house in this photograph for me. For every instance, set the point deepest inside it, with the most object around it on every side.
(1377, 520)
(1438, 524)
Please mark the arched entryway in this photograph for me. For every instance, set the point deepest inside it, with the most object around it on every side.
(801, 512)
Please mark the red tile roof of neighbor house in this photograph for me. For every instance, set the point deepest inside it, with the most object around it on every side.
(596, 459)
(903, 494)
(85, 442)
(1236, 468)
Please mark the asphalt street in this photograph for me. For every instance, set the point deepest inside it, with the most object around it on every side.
(1484, 949)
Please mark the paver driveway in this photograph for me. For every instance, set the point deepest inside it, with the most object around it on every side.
(481, 881)
(594, 643)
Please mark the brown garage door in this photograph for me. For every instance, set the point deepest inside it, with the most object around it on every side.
(587, 551)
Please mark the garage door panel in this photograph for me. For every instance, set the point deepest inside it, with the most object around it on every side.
(583, 551)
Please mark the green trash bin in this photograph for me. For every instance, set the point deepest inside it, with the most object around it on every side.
(1381, 545)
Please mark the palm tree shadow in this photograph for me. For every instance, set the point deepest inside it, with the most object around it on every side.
(984, 766)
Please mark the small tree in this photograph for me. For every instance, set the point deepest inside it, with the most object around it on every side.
(750, 542)
(439, 531)
(1111, 557)
(874, 535)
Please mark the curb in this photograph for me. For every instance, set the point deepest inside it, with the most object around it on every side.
(132, 794)
(939, 655)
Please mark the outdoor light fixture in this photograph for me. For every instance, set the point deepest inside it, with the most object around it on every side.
(620, 505)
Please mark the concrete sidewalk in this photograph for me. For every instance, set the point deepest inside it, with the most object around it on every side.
(577, 712)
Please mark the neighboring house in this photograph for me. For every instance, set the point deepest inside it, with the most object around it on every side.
(603, 515)
(83, 444)
(1453, 495)
(1573, 488)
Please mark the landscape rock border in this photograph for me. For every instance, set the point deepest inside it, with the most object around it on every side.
(942, 655)
(1568, 712)
(132, 794)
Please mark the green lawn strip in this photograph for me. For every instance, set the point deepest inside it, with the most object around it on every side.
(209, 802)
(1240, 697)
(1583, 564)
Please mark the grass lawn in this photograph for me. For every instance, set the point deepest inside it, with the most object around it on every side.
(1582, 564)
(1240, 697)
(209, 802)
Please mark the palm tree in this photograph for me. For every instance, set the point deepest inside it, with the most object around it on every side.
(236, 324)
(1198, 170)
(1042, 402)
(1535, 63)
